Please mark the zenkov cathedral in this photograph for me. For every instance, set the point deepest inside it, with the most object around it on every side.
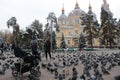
(71, 26)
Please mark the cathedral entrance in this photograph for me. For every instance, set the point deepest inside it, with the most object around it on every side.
(75, 42)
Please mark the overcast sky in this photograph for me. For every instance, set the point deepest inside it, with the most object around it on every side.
(26, 11)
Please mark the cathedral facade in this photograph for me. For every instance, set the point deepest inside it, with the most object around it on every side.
(71, 27)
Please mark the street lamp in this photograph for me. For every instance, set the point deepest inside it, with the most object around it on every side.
(52, 23)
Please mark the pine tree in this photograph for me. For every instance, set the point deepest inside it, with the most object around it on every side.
(91, 27)
(63, 44)
(37, 27)
(54, 45)
(82, 42)
(108, 29)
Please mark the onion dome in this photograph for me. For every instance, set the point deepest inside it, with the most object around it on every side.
(62, 16)
(77, 11)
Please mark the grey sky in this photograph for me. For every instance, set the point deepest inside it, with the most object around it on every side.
(26, 11)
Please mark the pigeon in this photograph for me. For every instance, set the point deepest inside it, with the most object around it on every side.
(119, 63)
(6, 65)
(12, 67)
(60, 77)
(96, 72)
(82, 77)
(69, 79)
(2, 71)
(33, 77)
(86, 71)
(52, 70)
(56, 74)
(50, 65)
(92, 77)
(109, 67)
(43, 65)
(104, 70)
(117, 77)
(100, 77)
(74, 75)
(56, 65)
(3, 58)
(53, 58)
(63, 74)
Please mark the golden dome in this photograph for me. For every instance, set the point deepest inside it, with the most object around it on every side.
(76, 11)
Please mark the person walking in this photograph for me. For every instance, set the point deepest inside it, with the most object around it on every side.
(47, 47)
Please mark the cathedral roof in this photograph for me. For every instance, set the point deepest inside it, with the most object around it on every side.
(77, 11)
(62, 17)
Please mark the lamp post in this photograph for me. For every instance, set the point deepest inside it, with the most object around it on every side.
(52, 22)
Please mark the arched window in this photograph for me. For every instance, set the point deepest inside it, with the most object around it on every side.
(68, 41)
(69, 33)
(63, 22)
(77, 21)
(76, 31)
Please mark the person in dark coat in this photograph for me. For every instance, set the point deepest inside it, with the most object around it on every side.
(47, 47)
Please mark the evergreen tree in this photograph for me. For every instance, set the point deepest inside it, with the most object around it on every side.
(63, 44)
(118, 24)
(108, 29)
(54, 45)
(91, 27)
(82, 42)
(37, 27)
(34, 29)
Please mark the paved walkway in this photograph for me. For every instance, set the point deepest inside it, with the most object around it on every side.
(45, 75)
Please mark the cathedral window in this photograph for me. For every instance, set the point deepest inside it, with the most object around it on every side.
(63, 22)
(69, 33)
(76, 21)
(68, 41)
(76, 31)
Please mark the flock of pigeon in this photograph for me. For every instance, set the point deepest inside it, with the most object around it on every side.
(84, 65)
(94, 66)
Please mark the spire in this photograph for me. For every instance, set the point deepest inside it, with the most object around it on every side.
(90, 8)
(76, 5)
(63, 9)
(105, 2)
